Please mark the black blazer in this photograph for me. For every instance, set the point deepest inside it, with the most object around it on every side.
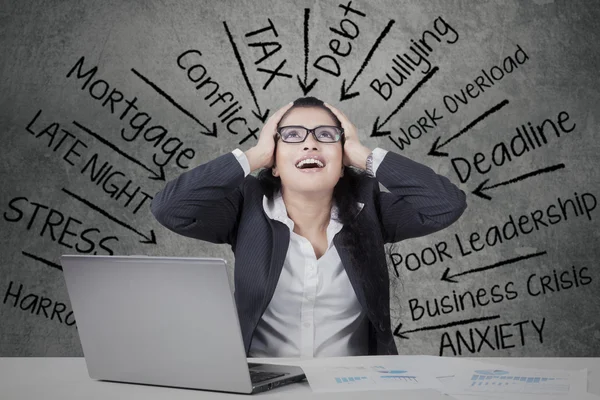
(214, 202)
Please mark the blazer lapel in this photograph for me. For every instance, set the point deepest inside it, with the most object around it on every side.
(344, 251)
(281, 242)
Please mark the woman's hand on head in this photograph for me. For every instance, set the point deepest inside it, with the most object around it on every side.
(263, 153)
(355, 154)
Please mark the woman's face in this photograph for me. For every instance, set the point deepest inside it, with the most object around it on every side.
(288, 155)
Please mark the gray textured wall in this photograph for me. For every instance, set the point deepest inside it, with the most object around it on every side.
(501, 65)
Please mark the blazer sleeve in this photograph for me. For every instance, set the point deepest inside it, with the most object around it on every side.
(205, 202)
(419, 201)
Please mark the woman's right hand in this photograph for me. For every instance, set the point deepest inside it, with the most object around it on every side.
(262, 154)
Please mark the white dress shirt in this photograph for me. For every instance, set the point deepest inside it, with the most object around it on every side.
(314, 311)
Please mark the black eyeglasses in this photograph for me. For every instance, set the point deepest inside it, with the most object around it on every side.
(298, 134)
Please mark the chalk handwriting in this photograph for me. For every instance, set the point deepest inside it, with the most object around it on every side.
(490, 337)
(137, 122)
(423, 122)
(70, 149)
(543, 284)
(35, 304)
(348, 31)
(269, 49)
(527, 224)
(409, 63)
(345, 90)
(224, 101)
(488, 79)
(458, 302)
(526, 139)
(465, 244)
(411, 131)
(258, 113)
(59, 226)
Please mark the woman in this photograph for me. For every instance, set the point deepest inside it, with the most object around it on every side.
(308, 233)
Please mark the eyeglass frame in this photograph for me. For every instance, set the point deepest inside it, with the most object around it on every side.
(309, 131)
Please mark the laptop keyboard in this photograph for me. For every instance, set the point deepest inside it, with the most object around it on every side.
(260, 376)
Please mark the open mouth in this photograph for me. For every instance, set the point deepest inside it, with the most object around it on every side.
(310, 164)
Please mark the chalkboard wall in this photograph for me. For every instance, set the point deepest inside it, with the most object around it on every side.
(101, 103)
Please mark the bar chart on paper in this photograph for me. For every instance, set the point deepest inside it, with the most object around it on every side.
(394, 375)
(378, 373)
(368, 377)
(497, 380)
(351, 380)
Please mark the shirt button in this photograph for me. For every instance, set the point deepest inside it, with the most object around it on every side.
(306, 324)
(310, 298)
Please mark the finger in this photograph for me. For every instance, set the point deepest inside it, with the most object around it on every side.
(273, 120)
(349, 128)
(279, 113)
(346, 124)
(332, 108)
(341, 116)
(284, 109)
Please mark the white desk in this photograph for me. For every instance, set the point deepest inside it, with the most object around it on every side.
(67, 378)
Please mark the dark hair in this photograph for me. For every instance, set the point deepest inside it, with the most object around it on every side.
(345, 193)
(312, 102)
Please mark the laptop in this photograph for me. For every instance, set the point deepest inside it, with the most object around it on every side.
(166, 321)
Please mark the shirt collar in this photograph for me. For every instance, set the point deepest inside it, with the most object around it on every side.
(275, 209)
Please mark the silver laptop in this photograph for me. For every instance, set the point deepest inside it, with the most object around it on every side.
(168, 321)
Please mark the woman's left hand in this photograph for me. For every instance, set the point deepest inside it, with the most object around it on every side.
(355, 154)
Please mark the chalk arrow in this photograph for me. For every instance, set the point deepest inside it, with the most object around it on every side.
(261, 115)
(449, 278)
(158, 176)
(43, 260)
(481, 188)
(151, 239)
(434, 151)
(377, 126)
(345, 95)
(402, 335)
(206, 130)
(306, 87)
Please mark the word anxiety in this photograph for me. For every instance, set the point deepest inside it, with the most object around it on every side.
(492, 337)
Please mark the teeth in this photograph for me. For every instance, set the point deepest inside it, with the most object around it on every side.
(310, 161)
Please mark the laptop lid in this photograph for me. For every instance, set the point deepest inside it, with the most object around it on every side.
(158, 320)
